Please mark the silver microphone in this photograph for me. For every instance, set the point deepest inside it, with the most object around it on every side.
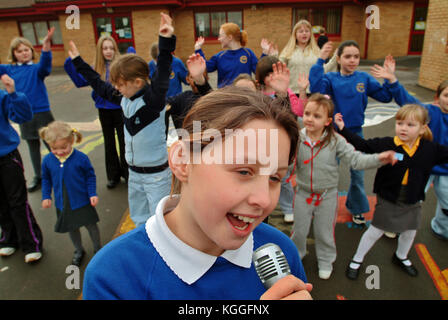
(270, 263)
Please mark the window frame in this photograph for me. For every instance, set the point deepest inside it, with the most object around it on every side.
(412, 30)
(214, 10)
(47, 20)
(112, 16)
(325, 9)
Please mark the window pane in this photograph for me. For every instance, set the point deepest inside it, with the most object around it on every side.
(300, 14)
(333, 20)
(123, 27)
(218, 18)
(317, 19)
(28, 32)
(57, 36)
(235, 17)
(202, 24)
(420, 18)
(104, 26)
(41, 30)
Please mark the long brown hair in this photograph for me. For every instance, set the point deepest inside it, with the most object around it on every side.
(100, 63)
(231, 108)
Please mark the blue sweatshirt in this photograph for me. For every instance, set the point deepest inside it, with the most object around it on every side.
(16, 107)
(130, 268)
(76, 173)
(349, 92)
(29, 79)
(438, 120)
(177, 76)
(80, 82)
(231, 63)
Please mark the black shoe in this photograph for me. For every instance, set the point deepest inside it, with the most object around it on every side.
(410, 270)
(351, 273)
(77, 259)
(112, 183)
(35, 184)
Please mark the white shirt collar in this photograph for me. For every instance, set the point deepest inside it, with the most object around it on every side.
(188, 263)
(28, 63)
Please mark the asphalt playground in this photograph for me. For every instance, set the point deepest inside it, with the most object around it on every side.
(53, 279)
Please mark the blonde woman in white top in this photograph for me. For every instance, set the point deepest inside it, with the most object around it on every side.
(301, 52)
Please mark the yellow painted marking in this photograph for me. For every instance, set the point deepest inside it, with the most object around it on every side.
(91, 145)
(445, 274)
(438, 277)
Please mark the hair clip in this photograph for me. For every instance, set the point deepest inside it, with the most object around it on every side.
(327, 96)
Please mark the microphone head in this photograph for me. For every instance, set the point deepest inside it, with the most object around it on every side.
(270, 263)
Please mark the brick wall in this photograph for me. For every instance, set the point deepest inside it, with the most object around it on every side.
(393, 35)
(353, 26)
(434, 66)
(183, 21)
(84, 38)
(145, 25)
(10, 30)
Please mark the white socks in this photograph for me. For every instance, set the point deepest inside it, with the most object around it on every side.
(372, 235)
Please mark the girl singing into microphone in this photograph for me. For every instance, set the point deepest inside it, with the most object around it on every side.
(199, 244)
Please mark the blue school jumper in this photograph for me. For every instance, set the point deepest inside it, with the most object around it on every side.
(76, 173)
(130, 267)
(230, 64)
(14, 106)
(177, 76)
(348, 92)
(29, 79)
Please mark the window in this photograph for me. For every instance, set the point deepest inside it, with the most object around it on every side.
(36, 31)
(119, 27)
(207, 24)
(418, 29)
(329, 18)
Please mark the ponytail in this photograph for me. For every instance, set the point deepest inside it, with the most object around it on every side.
(243, 38)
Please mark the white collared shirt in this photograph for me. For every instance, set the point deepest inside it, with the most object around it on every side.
(188, 263)
(28, 63)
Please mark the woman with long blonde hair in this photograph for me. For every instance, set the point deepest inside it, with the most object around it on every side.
(110, 115)
(301, 53)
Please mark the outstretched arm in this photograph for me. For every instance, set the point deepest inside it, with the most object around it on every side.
(102, 88)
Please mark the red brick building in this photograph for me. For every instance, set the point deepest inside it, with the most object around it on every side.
(135, 23)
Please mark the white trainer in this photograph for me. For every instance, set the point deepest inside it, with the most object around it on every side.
(288, 217)
(7, 251)
(325, 274)
(33, 256)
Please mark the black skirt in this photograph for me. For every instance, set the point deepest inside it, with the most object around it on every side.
(30, 130)
(71, 220)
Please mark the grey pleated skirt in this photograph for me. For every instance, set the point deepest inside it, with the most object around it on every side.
(397, 217)
(30, 129)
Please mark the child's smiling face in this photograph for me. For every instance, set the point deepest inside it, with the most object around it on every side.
(23, 53)
(223, 203)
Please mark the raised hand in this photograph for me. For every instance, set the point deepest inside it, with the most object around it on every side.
(380, 72)
(339, 121)
(198, 44)
(196, 67)
(166, 25)
(72, 51)
(326, 50)
(279, 78)
(8, 82)
(389, 63)
(303, 82)
(46, 44)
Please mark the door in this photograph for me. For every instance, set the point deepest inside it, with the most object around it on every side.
(119, 26)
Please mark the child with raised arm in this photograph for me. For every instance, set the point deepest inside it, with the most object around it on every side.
(349, 90)
(19, 228)
(317, 176)
(400, 188)
(110, 114)
(438, 123)
(199, 245)
(144, 119)
(70, 174)
(29, 78)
